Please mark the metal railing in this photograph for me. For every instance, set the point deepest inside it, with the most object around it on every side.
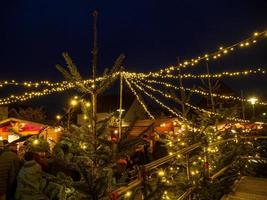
(152, 165)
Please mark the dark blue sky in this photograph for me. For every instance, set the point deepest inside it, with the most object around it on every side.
(151, 34)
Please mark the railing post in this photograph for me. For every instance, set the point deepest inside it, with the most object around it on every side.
(188, 171)
(206, 162)
(187, 166)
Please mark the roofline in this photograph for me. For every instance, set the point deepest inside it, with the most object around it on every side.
(20, 120)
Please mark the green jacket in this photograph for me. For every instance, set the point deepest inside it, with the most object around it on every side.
(9, 167)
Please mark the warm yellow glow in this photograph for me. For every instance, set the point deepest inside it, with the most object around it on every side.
(120, 110)
(36, 142)
(163, 125)
(253, 100)
(83, 146)
(128, 194)
(161, 173)
(73, 102)
(256, 34)
(58, 117)
(116, 131)
(85, 117)
(139, 85)
(233, 131)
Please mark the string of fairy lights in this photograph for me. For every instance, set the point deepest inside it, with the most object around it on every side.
(200, 92)
(30, 95)
(165, 73)
(198, 76)
(36, 84)
(64, 85)
(138, 99)
(53, 87)
(158, 101)
(256, 36)
(187, 104)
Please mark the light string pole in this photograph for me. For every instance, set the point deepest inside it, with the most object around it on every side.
(94, 91)
(183, 99)
(120, 109)
(182, 92)
(243, 105)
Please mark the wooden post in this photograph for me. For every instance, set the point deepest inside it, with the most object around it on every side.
(243, 105)
(182, 92)
(206, 162)
(187, 166)
(210, 89)
(94, 91)
(120, 109)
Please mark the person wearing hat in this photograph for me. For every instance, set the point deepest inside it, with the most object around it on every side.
(9, 167)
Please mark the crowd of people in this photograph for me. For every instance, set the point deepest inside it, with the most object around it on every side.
(24, 173)
(20, 174)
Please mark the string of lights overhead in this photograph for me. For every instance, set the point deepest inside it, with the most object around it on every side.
(188, 104)
(200, 92)
(197, 76)
(221, 52)
(158, 101)
(163, 73)
(36, 84)
(30, 95)
(138, 98)
(53, 88)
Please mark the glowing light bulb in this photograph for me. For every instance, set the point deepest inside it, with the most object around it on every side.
(36, 142)
(161, 173)
(253, 100)
(73, 102)
(128, 194)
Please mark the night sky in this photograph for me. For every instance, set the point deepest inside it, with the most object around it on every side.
(33, 35)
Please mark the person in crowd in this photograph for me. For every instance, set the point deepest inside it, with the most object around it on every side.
(29, 180)
(9, 167)
(13, 147)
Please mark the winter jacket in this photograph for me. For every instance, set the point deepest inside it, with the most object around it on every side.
(9, 167)
(29, 182)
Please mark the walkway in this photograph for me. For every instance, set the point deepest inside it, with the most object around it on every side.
(249, 188)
